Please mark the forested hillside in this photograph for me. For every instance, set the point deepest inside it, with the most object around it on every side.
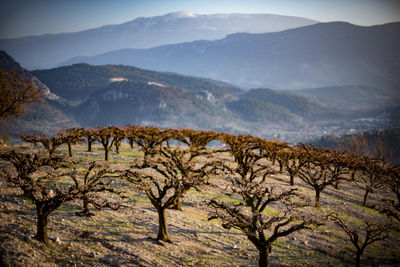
(85, 95)
(81, 80)
(116, 94)
(384, 144)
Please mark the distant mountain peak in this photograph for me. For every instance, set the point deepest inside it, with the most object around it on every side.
(144, 32)
(182, 14)
(315, 55)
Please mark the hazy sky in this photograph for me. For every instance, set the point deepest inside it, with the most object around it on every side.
(33, 17)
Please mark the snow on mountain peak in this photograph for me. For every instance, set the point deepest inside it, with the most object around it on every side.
(183, 14)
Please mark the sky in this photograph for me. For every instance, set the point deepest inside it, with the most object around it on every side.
(35, 17)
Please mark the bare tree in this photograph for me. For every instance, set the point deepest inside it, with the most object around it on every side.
(163, 184)
(119, 135)
(148, 138)
(272, 150)
(357, 144)
(248, 155)
(96, 169)
(196, 140)
(49, 143)
(249, 218)
(90, 135)
(70, 137)
(248, 181)
(106, 136)
(374, 228)
(292, 159)
(195, 162)
(371, 175)
(161, 187)
(322, 168)
(16, 91)
(391, 207)
(37, 175)
(131, 133)
(393, 182)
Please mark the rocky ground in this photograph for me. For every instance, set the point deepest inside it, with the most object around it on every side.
(126, 237)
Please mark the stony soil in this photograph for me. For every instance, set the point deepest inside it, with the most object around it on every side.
(126, 237)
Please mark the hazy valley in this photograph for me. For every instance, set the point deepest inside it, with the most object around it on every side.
(85, 95)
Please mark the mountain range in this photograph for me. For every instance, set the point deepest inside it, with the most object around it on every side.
(115, 94)
(318, 55)
(49, 50)
(87, 96)
(77, 82)
(345, 76)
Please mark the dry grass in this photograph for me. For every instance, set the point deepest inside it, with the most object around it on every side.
(126, 237)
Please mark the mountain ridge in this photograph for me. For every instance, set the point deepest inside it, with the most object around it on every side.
(83, 76)
(119, 95)
(312, 56)
(50, 49)
(231, 108)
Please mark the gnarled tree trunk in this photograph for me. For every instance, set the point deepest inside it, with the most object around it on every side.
(90, 141)
(177, 204)
(317, 198)
(358, 257)
(106, 154)
(263, 256)
(367, 191)
(69, 149)
(280, 166)
(291, 179)
(41, 226)
(162, 225)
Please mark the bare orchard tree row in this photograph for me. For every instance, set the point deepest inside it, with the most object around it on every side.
(50, 182)
(176, 160)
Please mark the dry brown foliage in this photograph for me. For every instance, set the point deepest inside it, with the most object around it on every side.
(16, 91)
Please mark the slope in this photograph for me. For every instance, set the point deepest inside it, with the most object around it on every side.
(79, 81)
(138, 102)
(40, 118)
(353, 97)
(296, 104)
